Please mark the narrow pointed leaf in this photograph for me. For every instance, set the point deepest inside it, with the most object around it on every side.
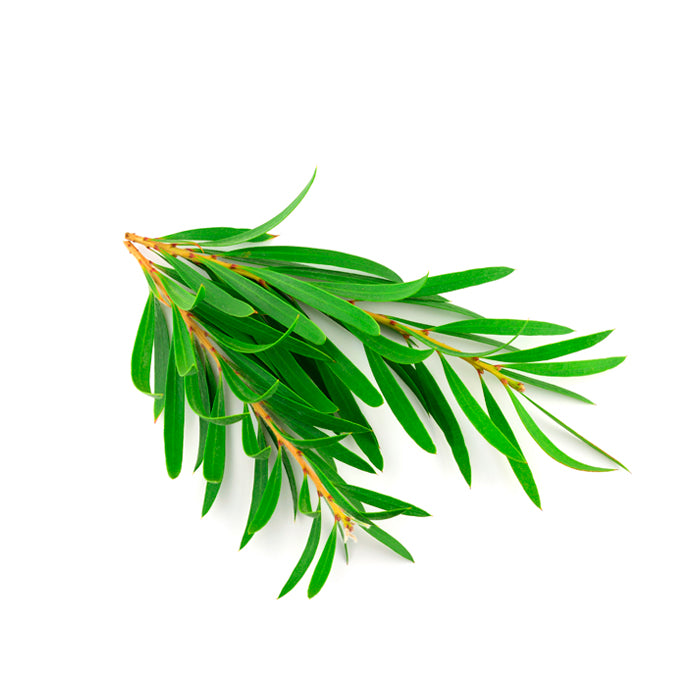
(319, 256)
(185, 360)
(161, 350)
(291, 480)
(387, 540)
(575, 434)
(386, 514)
(214, 458)
(546, 444)
(500, 326)
(197, 392)
(375, 292)
(242, 391)
(438, 407)
(396, 352)
(305, 500)
(181, 297)
(270, 497)
(173, 417)
(306, 556)
(380, 500)
(323, 565)
(520, 467)
(321, 300)
(260, 478)
(351, 376)
(250, 441)
(210, 494)
(203, 234)
(236, 345)
(477, 416)
(545, 385)
(575, 368)
(324, 441)
(398, 402)
(459, 280)
(552, 350)
(143, 348)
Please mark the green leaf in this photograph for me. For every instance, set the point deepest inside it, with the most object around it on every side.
(182, 342)
(477, 416)
(323, 565)
(305, 500)
(161, 351)
(268, 225)
(213, 294)
(181, 297)
(241, 390)
(575, 368)
(380, 500)
(552, 350)
(306, 556)
(351, 376)
(197, 393)
(215, 446)
(260, 477)
(401, 354)
(318, 256)
(270, 496)
(398, 402)
(386, 539)
(143, 348)
(500, 326)
(375, 292)
(250, 442)
(545, 385)
(339, 393)
(520, 467)
(291, 479)
(229, 343)
(210, 494)
(575, 434)
(386, 514)
(319, 299)
(459, 280)
(203, 234)
(173, 417)
(317, 442)
(438, 407)
(267, 302)
(545, 443)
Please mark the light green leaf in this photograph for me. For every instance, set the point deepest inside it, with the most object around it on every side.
(161, 348)
(250, 442)
(402, 354)
(386, 539)
(181, 297)
(545, 443)
(305, 500)
(374, 292)
(575, 368)
(459, 280)
(552, 350)
(182, 342)
(545, 385)
(500, 326)
(380, 500)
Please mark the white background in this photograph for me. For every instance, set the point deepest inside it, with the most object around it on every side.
(558, 138)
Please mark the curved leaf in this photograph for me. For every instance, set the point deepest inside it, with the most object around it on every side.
(500, 326)
(323, 566)
(241, 390)
(401, 354)
(250, 441)
(181, 297)
(459, 280)
(545, 385)
(230, 343)
(270, 497)
(575, 368)
(386, 539)
(210, 494)
(552, 350)
(260, 477)
(375, 292)
(214, 459)
(380, 500)
(351, 376)
(185, 360)
(306, 556)
(143, 348)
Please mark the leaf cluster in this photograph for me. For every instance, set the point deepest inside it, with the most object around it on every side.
(226, 330)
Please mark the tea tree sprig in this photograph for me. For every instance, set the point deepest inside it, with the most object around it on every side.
(239, 329)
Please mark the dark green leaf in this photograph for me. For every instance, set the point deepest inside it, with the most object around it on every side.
(143, 348)
(438, 407)
(215, 446)
(386, 514)
(197, 393)
(161, 347)
(173, 417)
(291, 479)
(552, 350)
(242, 391)
(321, 300)
(402, 354)
(545, 443)
(386, 539)
(323, 565)
(477, 416)
(210, 494)
(380, 500)
(459, 280)
(305, 500)
(250, 442)
(317, 442)
(351, 376)
(318, 256)
(520, 467)
(398, 402)
(500, 326)
(270, 496)
(182, 342)
(575, 368)
(260, 477)
(227, 342)
(306, 556)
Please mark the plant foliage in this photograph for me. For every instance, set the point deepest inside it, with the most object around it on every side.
(240, 335)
